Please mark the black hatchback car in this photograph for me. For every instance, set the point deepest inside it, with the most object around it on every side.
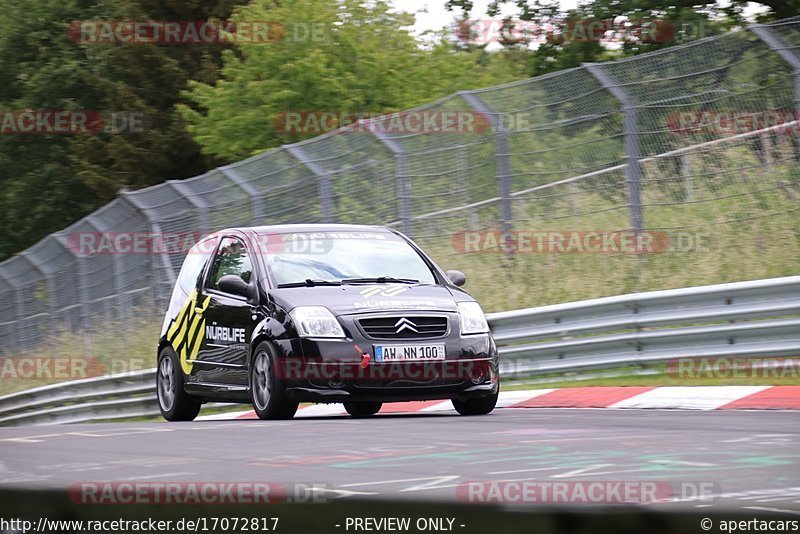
(360, 315)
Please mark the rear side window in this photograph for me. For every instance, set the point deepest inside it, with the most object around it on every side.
(193, 265)
(232, 258)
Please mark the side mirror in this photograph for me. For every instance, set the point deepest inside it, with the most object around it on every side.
(457, 277)
(230, 283)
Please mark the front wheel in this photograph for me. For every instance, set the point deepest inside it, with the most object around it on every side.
(173, 402)
(267, 391)
(476, 406)
(362, 409)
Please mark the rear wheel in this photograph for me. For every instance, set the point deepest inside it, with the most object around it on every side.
(362, 409)
(476, 406)
(267, 391)
(175, 404)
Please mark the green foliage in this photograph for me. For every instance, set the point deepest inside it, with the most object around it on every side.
(363, 60)
(684, 20)
(47, 181)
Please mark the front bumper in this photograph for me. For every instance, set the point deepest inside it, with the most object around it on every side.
(346, 370)
(421, 393)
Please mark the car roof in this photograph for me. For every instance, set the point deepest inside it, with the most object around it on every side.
(290, 228)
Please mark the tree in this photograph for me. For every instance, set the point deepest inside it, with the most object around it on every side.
(39, 69)
(778, 9)
(676, 22)
(48, 181)
(148, 80)
(344, 57)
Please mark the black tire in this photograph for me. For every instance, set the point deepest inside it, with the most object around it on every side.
(173, 401)
(267, 391)
(476, 406)
(362, 409)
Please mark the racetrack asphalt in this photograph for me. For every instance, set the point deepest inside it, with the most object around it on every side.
(747, 460)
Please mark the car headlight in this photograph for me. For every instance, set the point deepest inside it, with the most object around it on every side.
(473, 321)
(316, 321)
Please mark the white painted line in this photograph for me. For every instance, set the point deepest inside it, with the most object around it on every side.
(444, 478)
(90, 434)
(223, 416)
(444, 406)
(689, 397)
(510, 398)
(161, 476)
(314, 410)
(121, 432)
(30, 439)
(317, 410)
(531, 470)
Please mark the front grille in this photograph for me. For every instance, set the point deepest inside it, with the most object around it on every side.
(387, 327)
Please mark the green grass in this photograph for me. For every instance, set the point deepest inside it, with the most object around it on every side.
(747, 232)
(112, 348)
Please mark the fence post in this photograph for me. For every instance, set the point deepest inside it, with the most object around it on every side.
(401, 176)
(630, 133)
(48, 273)
(686, 171)
(502, 156)
(255, 197)
(82, 275)
(200, 206)
(171, 275)
(776, 43)
(123, 299)
(463, 169)
(13, 340)
(82, 290)
(323, 177)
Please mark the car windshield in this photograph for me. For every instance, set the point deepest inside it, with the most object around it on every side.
(321, 257)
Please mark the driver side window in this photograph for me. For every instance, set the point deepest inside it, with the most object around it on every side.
(231, 258)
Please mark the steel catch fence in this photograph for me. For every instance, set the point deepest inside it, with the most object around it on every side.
(602, 147)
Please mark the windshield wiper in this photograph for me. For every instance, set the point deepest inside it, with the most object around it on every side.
(311, 283)
(380, 280)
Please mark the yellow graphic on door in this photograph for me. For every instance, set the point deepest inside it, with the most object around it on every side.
(188, 329)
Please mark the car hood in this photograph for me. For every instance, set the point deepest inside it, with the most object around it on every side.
(362, 298)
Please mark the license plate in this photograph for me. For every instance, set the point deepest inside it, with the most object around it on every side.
(402, 353)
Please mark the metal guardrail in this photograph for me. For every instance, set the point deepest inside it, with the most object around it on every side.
(743, 319)
(111, 397)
